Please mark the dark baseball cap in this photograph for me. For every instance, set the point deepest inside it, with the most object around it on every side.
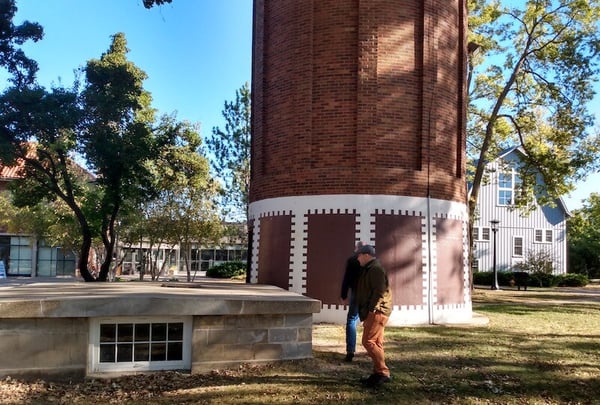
(366, 249)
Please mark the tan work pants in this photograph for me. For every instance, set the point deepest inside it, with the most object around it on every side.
(372, 340)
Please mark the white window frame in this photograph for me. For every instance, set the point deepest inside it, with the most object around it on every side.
(545, 235)
(479, 233)
(514, 246)
(95, 366)
(507, 187)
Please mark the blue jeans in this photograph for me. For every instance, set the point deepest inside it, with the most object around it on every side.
(351, 324)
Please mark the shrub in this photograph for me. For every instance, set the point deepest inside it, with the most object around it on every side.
(485, 277)
(572, 280)
(539, 265)
(227, 270)
(482, 278)
(540, 279)
(536, 262)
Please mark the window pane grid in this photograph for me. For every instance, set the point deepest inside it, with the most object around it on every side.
(544, 235)
(538, 235)
(506, 187)
(141, 342)
(518, 246)
(485, 234)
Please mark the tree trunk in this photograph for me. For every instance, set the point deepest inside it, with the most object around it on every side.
(84, 255)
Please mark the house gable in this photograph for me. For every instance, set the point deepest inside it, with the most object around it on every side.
(519, 234)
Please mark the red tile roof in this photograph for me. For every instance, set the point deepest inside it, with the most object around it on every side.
(12, 172)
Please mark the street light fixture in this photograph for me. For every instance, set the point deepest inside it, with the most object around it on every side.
(494, 223)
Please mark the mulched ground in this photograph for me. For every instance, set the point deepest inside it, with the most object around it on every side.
(139, 388)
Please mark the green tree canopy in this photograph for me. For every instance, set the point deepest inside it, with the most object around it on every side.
(117, 137)
(21, 68)
(109, 124)
(40, 127)
(583, 233)
(530, 83)
(188, 198)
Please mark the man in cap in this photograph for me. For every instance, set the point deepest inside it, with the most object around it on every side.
(374, 300)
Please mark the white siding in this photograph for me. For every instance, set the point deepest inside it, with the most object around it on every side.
(515, 223)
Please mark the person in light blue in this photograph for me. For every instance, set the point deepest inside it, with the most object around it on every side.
(349, 291)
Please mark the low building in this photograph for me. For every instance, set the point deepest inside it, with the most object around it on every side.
(28, 256)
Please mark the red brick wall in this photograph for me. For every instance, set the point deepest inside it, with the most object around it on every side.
(358, 97)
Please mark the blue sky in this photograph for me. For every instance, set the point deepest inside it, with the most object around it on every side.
(197, 53)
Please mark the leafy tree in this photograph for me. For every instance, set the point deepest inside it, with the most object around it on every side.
(110, 125)
(231, 150)
(184, 211)
(117, 138)
(147, 225)
(530, 82)
(48, 173)
(52, 221)
(152, 3)
(187, 202)
(583, 231)
(20, 67)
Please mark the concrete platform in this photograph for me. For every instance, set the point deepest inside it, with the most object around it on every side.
(21, 298)
(50, 327)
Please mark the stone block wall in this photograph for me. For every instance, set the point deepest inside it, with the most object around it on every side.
(223, 341)
(54, 348)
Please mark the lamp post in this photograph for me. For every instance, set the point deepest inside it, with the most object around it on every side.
(494, 223)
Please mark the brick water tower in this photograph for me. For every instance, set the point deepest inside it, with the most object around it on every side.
(358, 134)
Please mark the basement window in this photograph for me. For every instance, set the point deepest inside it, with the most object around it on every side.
(134, 344)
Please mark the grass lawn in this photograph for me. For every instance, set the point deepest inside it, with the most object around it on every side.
(540, 347)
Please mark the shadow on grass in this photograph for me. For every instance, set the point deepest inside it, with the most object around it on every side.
(533, 308)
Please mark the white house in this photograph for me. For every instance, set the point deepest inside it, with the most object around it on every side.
(518, 234)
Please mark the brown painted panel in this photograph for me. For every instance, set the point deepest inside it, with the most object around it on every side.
(274, 251)
(331, 240)
(399, 246)
(450, 267)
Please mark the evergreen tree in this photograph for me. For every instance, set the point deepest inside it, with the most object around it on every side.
(230, 148)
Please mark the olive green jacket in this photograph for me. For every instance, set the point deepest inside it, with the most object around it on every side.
(373, 291)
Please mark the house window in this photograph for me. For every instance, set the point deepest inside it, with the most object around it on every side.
(128, 344)
(517, 246)
(544, 236)
(508, 183)
(481, 233)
